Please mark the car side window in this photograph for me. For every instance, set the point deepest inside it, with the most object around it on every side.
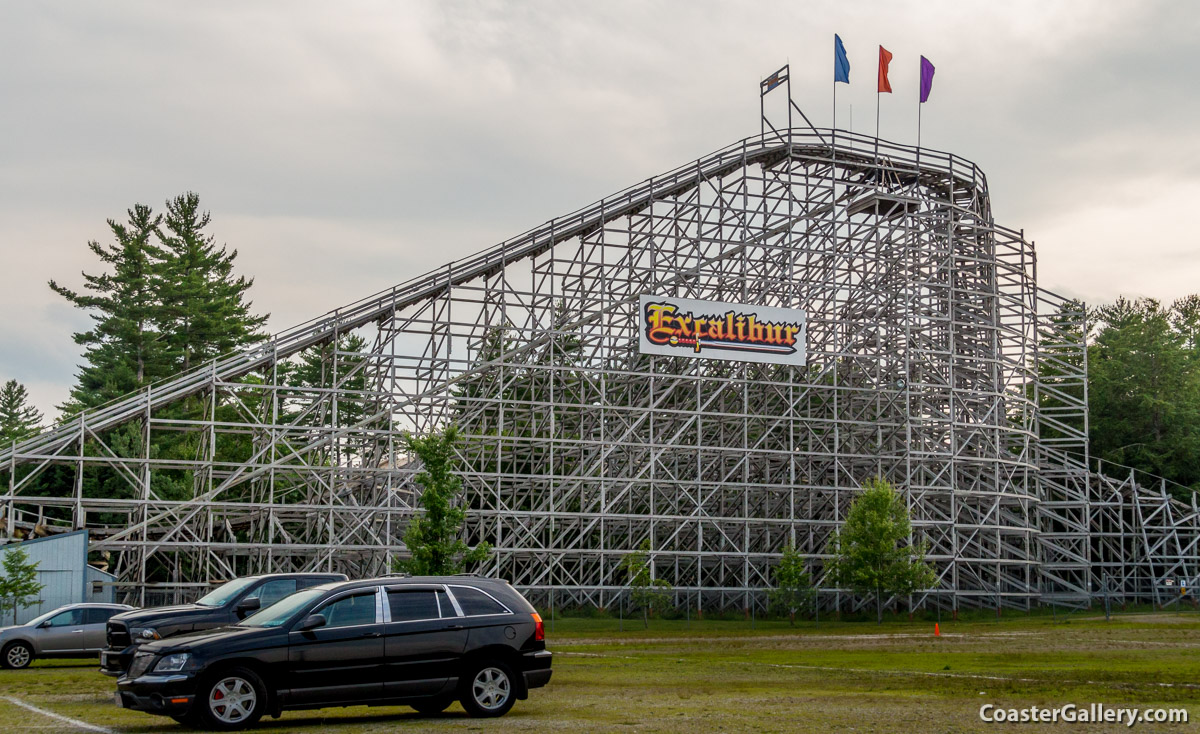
(350, 610)
(474, 602)
(273, 591)
(407, 606)
(69, 618)
(98, 615)
(444, 605)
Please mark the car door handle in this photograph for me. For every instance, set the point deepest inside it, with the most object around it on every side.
(77, 632)
(455, 627)
(369, 634)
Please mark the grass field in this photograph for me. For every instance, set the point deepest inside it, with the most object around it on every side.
(723, 676)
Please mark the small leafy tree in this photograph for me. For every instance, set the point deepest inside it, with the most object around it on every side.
(793, 590)
(645, 592)
(433, 538)
(871, 553)
(19, 586)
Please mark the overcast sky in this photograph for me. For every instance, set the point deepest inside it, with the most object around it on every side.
(346, 147)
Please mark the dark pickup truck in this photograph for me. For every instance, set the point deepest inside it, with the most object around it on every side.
(227, 604)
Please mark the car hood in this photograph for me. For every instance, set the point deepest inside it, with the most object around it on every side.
(147, 617)
(5, 631)
(223, 636)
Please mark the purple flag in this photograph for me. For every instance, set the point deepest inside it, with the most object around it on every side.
(926, 78)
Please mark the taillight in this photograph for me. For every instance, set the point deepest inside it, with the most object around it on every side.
(539, 631)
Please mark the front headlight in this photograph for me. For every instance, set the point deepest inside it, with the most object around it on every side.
(173, 663)
(148, 634)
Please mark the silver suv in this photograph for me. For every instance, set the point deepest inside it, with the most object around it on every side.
(73, 631)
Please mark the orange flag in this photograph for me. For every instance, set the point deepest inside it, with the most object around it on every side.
(885, 58)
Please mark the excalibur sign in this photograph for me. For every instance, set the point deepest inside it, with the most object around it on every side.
(730, 331)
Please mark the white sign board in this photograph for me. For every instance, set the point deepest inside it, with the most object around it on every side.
(682, 327)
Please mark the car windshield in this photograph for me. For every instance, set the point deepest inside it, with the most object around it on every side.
(221, 595)
(282, 610)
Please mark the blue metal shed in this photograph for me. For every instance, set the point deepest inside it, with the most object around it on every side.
(63, 569)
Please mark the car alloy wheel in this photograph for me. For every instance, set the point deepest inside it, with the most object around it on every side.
(232, 700)
(491, 688)
(18, 655)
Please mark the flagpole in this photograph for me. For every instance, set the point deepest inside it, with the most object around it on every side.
(919, 85)
(919, 112)
(918, 135)
(762, 110)
(926, 86)
(877, 96)
(788, 66)
(918, 128)
(878, 71)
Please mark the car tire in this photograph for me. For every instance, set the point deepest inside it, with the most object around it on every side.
(229, 700)
(489, 689)
(434, 705)
(16, 655)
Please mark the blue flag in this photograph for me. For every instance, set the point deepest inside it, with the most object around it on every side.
(841, 64)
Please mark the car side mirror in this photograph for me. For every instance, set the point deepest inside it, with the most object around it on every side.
(245, 606)
(313, 621)
(44, 625)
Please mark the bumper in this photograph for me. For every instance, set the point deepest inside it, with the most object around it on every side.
(116, 662)
(537, 668)
(170, 695)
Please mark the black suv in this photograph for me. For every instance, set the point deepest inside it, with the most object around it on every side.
(225, 605)
(423, 641)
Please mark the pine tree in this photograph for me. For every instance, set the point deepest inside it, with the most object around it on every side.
(167, 301)
(204, 313)
(1058, 391)
(327, 366)
(1144, 389)
(123, 349)
(18, 419)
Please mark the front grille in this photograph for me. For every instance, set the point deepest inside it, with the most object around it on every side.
(141, 663)
(117, 635)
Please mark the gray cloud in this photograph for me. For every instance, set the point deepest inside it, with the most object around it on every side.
(343, 148)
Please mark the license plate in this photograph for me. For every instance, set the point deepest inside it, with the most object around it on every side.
(120, 703)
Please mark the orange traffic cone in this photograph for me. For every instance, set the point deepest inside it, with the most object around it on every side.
(937, 632)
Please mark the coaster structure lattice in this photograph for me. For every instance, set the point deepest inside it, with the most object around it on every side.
(934, 361)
